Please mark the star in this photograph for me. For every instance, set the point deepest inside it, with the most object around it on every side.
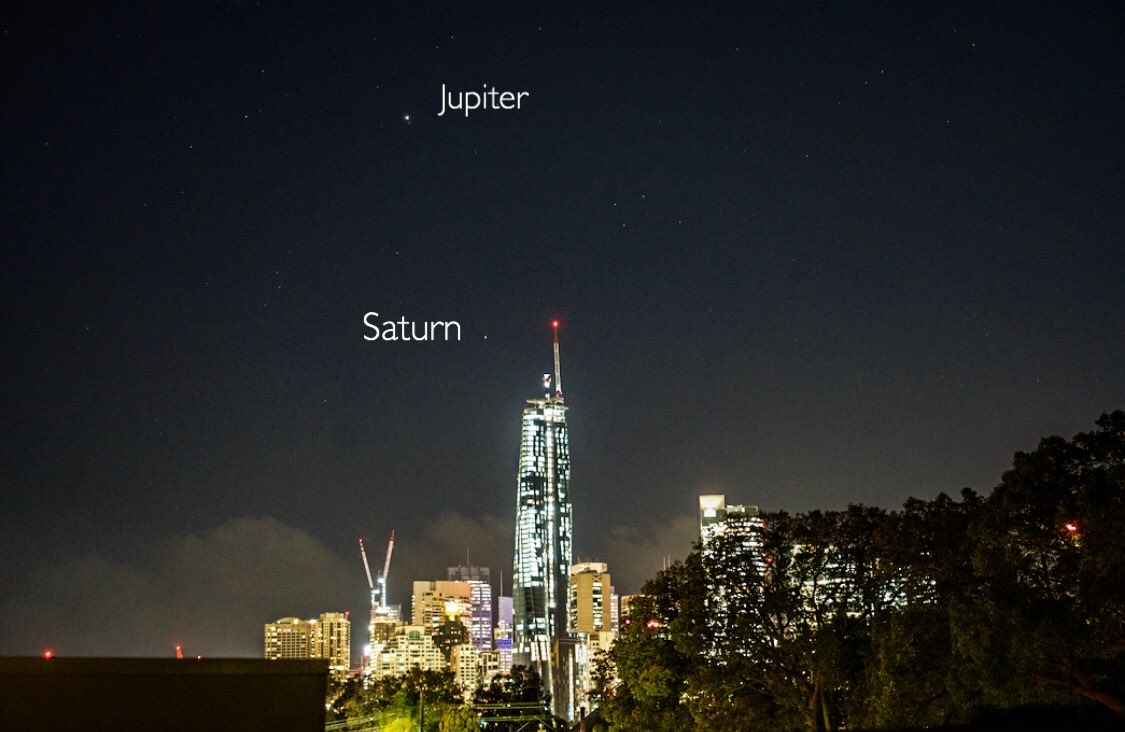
(406, 118)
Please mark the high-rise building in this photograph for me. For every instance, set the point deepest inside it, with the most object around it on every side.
(543, 544)
(289, 638)
(434, 601)
(623, 607)
(740, 528)
(329, 637)
(410, 647)
(590, 604)
(716, 518)
(590, 597)
(464, 661)
(480, 623)
(332, 640)
(503, 634)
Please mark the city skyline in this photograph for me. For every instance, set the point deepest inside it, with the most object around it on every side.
(802, 257)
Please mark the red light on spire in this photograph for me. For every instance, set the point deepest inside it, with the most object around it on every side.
(558, 369)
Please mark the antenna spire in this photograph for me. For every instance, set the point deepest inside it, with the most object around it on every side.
(558, 368)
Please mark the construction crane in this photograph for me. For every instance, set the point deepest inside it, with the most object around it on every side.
(383, 577)
(378, 588)
(370, 584)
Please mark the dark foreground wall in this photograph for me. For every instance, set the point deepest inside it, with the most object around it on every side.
(161, 694)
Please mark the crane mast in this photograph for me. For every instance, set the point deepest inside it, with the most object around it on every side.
(367, 569)
(383, 577)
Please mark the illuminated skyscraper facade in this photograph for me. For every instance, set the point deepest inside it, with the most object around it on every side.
(717, 518)
(543, 553)
(480, 581)
(332, 640)
(590, 603)
(290, 638)
(329, 638)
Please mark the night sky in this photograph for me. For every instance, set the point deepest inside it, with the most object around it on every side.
(801, 255)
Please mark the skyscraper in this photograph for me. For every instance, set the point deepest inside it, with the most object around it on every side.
(479, 579)
(329, 638)
(543, 544)
(502, 635)
(290, 638)
(332, 640)
(434, 601)
(717, 518)
(591, 620)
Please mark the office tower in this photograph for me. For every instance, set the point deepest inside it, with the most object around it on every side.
(591, 594)
(329, 637)
(332, 640)
(590, 598)
(503, 634)
(543, 544)
(480, 624)
(289, 638)
(744, 523)
(434, 601)
(740, 530)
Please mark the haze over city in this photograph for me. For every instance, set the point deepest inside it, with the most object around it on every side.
(801, 258)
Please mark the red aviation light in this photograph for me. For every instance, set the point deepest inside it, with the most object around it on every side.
(652, 624)
(48, 654)
(1071, 527)
(554, 324)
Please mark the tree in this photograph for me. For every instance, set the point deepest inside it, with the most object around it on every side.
(653, 671)
(1050, 544)
(459, 719)
(865, 618)
(521, 685)
(397, 699)
(924, 568)
(516, 698)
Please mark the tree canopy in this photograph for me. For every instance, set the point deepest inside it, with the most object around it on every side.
(945, 611)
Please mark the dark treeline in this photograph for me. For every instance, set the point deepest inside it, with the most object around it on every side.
(1001, 611)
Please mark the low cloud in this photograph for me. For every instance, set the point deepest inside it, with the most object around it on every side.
(442, 543)
(489, 539)
(212, 591)
(209, 592)
(636, 553)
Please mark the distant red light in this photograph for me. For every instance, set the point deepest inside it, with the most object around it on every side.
(654, 623)
(1071, 527)
(48, 653)
(554, 324)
